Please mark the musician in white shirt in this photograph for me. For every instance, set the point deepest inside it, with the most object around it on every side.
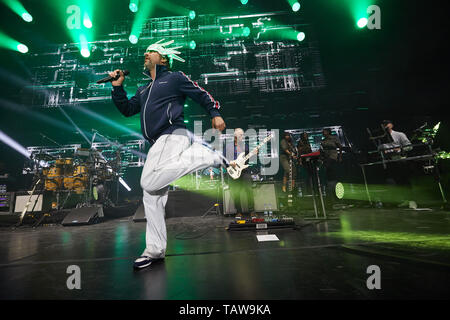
(400, 142)
(244, 183)
(399, 139)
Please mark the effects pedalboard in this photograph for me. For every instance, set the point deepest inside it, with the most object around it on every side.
(255, 223)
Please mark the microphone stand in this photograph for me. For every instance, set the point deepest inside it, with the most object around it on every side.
(45, 137)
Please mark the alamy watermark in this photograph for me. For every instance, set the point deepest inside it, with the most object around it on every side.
(374, 280)
(74, 280)
(374, 19)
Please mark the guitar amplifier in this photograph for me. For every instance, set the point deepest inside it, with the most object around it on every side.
(41, 202)
(264, 197)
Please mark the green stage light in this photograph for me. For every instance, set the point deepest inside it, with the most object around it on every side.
(246, 31)
(436, 127)
(84, 46)
(145, 10)
(134, 5)
(18, 8)
(192, 14)
(133, 39)
(301, 36)
(27, 17)
(9, 43)
(443, 155)
(22, 48)
(295, 6)
(244, 2)
(340, 191)
(362, 23)
(85, 52)
(86, 21)
(186, 121)
(192, 44)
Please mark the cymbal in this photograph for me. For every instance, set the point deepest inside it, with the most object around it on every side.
(43, 156)
(83, 152)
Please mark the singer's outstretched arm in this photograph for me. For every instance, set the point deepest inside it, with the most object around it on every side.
(127, 107)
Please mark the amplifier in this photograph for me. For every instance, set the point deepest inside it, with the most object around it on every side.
(42, 201)
(264, 198)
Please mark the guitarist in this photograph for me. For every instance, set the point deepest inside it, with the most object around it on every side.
(244, 182)
(288, 152)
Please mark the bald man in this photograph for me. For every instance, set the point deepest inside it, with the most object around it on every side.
(244, 183)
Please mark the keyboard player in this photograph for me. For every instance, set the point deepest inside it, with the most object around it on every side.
(400, 141)
(399, 173)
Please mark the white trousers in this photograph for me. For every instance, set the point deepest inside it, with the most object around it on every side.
(171, 157)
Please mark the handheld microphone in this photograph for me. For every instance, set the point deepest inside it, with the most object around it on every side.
(109, 78)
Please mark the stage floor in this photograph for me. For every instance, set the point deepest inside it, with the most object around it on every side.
(326, 260)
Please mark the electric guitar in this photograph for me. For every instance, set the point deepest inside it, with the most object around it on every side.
(235, 172)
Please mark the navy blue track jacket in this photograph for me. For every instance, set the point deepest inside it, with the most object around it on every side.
(161, 102)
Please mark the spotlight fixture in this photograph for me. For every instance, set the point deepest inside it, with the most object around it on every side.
(22, 48)
(85, 52)
(362, 23)
(134, 5)
(295, 6)
(301, 36)
(27, 17)
(133, 39)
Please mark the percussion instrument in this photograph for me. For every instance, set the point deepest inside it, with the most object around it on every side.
(79, 179)
(53, 178)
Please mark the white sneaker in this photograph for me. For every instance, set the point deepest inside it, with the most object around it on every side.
(412, 205)
(144, 261)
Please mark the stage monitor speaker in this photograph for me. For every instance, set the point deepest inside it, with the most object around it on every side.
(82, 216)
(228, 203)
(139, 215)
(263, 195)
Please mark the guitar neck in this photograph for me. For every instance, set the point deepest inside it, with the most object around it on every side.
(250, 154)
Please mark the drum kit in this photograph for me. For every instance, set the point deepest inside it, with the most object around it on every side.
(84, 172)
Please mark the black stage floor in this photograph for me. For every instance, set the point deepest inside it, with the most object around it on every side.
(326, 260)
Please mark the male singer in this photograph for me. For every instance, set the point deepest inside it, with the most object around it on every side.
(172, 154)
